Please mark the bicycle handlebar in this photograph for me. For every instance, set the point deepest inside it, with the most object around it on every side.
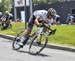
(43, 25)
(46, 26)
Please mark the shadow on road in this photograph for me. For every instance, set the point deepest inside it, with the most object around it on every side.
(40, 54)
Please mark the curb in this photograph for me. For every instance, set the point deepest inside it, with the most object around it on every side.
(60, 47)
(7, 36)
(53, 46)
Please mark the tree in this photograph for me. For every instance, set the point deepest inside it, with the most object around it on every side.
(5, 5)
(46, 1)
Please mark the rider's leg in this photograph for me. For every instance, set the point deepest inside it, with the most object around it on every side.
(26, 35)
(38, 40)
(28, 30)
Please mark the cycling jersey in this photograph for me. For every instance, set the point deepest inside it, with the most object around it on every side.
(56, 17)
(4, 18)
(70, 18)
(40, 13)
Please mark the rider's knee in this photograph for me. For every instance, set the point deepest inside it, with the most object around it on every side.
(27, 31)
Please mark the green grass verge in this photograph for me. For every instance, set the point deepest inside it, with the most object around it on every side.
(65, 34)
(16, 28)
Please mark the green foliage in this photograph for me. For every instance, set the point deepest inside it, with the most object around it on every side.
(46, 1)
(5, 5)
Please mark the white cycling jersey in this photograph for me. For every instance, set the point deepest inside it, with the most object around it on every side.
(56, 16)
(41, 13)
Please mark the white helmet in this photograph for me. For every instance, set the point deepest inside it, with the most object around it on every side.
(0, 13)
(51, 11)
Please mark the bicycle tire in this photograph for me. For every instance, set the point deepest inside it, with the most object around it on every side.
(31, 44)
(16, 40)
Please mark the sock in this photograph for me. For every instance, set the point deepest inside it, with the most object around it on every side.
(23, 39)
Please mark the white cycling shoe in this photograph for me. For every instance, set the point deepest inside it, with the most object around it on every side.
(20, 44)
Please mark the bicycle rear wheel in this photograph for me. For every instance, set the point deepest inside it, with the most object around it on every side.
(17, 40)
(36, 48)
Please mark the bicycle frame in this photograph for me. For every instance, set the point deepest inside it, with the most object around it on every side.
(37, 33)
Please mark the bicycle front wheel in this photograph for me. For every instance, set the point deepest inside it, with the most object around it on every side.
(17, 40)
(38, 43)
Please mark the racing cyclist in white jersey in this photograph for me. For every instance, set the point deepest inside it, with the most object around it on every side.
(37, 17)
(56, 19)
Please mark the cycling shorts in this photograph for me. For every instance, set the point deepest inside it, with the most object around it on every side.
(31, 22)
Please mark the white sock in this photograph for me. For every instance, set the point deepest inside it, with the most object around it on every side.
(23, 39)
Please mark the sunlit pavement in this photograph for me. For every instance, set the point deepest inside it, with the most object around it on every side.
(7, 54)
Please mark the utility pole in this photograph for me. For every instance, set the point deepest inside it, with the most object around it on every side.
(28, 3)
(15, 13)
(31, 7)
(26, 12)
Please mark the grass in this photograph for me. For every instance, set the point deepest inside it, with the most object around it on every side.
(65, 34)
(16, 28)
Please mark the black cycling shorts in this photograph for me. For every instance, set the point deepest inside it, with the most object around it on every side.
(31, 22)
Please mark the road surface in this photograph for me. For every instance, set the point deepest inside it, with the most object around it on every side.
(8, 54)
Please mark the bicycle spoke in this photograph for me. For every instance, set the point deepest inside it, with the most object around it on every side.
(38, 44)
(17, 40)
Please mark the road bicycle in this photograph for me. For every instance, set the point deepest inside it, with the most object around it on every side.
(37, 41)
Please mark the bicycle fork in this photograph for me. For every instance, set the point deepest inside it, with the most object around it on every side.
(39, 34)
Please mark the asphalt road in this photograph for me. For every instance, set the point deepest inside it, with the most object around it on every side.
(7, 54)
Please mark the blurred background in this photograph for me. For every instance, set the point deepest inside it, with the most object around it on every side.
(22, 9)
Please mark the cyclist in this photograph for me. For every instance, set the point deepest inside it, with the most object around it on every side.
(8, 15)
(70, 19)
(56, 19)
(38, 17)
(6, 19)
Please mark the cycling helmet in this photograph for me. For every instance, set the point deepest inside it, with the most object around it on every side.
(6, 12)
(0, 13)
(51, 11)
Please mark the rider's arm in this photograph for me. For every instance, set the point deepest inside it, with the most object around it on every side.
(49, 22)
(37, 21)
